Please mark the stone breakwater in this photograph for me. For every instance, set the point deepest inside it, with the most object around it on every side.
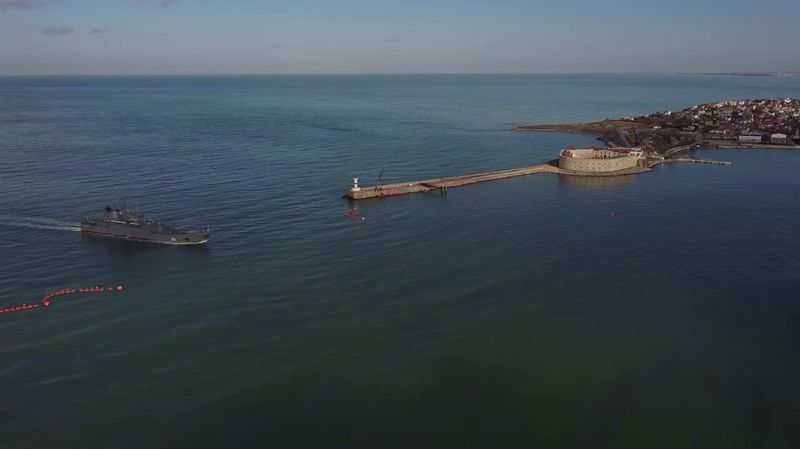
(442, 184)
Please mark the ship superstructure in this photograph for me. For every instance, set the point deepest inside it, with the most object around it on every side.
(121, 223)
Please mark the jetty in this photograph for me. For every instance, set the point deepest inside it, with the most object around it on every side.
(442, 184)
(691, 159)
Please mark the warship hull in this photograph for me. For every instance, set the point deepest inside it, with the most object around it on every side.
(143, 233)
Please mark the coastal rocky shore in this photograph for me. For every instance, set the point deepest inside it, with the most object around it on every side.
(737, 123)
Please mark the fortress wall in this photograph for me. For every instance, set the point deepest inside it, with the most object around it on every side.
(600, 164)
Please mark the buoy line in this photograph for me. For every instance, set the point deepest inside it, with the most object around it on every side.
(48, 298)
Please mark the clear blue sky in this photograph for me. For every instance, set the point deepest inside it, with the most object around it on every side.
(403, 36)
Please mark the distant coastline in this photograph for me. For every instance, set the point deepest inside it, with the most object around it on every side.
(766, 74)
(758, 123)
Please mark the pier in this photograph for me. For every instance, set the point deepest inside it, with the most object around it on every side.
(442, 184)
(691, 159)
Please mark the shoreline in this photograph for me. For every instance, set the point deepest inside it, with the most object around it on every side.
(755, 123)
(702, 145)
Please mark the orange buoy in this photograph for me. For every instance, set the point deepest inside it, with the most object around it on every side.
(47, 298)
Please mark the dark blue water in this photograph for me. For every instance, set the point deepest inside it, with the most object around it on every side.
(652, 311)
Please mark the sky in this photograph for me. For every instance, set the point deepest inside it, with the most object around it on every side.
(49, 37)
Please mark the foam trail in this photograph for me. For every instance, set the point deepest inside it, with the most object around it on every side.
(39, 223)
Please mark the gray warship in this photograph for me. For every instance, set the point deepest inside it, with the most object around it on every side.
(121, 223)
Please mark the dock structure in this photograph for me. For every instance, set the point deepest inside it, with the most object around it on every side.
(691, 159)
(442, 184)
(404, 188)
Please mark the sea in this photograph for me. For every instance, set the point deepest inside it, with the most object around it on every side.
(651, 311)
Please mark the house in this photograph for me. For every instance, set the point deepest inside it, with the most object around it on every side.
(724, 114)
(749, 139)
(777, 138)
(718, 134)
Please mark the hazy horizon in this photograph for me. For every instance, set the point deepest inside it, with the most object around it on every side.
(248, 37)
(322, 74)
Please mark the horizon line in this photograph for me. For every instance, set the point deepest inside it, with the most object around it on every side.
(8, 75)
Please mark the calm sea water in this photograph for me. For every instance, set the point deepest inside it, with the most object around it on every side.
(652, 311)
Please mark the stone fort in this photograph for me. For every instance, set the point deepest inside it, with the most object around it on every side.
(598, 160)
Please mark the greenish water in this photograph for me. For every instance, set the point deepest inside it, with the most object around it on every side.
(651, 311)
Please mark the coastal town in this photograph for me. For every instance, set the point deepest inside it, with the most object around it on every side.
(735, 123)
(746, 121)
(638, 144)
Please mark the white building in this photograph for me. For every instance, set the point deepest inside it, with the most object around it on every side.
(749, 139)
(777, 138)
